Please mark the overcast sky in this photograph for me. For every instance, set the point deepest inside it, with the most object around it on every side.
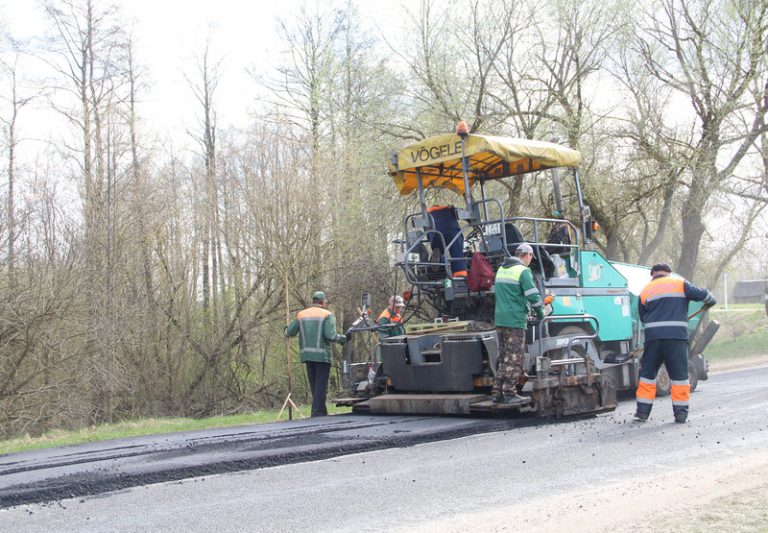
(168, 34)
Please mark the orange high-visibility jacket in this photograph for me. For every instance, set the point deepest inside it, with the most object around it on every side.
(663, 307)
(388, 316)
(317, 329)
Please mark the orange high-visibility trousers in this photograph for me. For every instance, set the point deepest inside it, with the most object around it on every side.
(673, 353)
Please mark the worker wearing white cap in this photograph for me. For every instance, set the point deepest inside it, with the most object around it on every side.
(391, 318)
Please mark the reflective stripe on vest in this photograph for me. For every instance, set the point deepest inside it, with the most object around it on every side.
(664, 323)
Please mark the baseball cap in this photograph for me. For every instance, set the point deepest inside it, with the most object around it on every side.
(661, 267)
(319, 296)
(523, 249)
(396, 301)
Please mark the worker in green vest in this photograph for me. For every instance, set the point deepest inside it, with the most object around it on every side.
(515, 291)
(316, 327)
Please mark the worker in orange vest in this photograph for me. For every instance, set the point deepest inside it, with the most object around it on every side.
(316, 327)
(663, 308)
(391, 318)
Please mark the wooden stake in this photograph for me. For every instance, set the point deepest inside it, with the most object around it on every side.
(288, 401)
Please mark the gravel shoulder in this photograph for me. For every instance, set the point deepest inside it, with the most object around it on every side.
(732, 495)
(738, 364)
(729, 495)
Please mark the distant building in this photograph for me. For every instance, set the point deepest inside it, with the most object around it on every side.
(750, 291)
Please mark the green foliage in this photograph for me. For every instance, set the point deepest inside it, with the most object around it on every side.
(743, 332)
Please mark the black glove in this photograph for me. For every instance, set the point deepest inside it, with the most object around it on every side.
(710, 300)
(348, 333)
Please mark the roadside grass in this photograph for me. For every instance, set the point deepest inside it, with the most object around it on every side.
(743, 333)
(147, 426)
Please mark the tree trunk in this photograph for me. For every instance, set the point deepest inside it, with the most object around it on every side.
(693, 231)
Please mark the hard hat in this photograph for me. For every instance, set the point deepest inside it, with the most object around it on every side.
(396, 301)
(318, 296)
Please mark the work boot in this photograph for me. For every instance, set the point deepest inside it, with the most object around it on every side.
(513, 399)
(641, 417)
(681, 418)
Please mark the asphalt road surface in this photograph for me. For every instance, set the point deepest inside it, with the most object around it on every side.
(367, 473)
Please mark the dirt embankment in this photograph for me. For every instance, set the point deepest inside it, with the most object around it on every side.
(738, 364)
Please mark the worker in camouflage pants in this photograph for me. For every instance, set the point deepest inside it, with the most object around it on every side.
(515, 290)
(509, 370)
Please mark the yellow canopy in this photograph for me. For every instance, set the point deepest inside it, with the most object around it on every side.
(439, 160)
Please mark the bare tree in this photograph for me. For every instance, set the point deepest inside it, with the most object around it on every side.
(209, 72)
(86, 53)
(16, 103)
(712, 56)
(39, 332)
(451, 67)
(303, 92)
(305, 78)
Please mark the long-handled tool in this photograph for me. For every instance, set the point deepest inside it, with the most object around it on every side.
(704, 308)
